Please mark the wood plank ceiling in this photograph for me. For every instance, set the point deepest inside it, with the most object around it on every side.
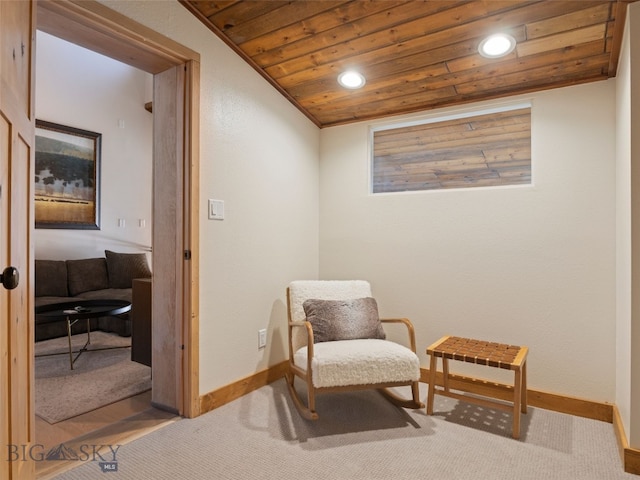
(415, 55)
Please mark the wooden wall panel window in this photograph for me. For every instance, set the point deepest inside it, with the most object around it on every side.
(484, 150)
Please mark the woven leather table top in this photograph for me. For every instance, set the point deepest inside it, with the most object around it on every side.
(493, 354)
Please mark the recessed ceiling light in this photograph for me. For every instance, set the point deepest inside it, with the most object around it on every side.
(498, 45)
(351, 79)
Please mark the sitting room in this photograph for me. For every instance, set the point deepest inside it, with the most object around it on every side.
(519, 290)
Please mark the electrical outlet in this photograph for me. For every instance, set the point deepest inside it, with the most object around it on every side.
(262, 338)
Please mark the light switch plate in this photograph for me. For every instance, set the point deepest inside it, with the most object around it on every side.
(216, 209)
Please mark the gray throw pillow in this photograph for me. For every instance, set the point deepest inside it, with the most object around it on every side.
(87, 274)
(51, 278)
(124, 267)
(343, 319)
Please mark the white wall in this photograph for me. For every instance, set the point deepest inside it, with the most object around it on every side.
(79, 88)
(628, 230)
(528, 265)
(525, 265)
(260, 155)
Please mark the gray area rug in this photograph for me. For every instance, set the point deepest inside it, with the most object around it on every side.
(99, 377)
(362, 436)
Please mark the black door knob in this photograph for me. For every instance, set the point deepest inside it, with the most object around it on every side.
(10, 278)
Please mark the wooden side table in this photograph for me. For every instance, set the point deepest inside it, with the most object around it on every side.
(480, 352)
(141, 319)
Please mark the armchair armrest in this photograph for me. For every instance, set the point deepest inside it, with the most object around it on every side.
(299, 324)
(410, 329)
(309, 329)
(305, 324)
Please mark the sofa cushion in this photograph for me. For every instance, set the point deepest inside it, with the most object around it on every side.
(51, 278)
(124, 267)
(107, 294)
(87, 274)
(48, 300)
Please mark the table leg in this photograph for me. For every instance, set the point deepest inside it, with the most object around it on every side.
(88, 342)
(69, 338)
(432, 383)
(517, 398)
(524, 388)
(445, 373)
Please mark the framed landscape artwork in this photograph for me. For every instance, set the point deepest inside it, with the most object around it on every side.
(67, 177)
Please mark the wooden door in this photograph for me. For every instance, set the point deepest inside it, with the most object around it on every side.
(168, 237)
(17, 127)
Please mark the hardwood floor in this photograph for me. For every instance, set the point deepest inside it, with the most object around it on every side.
(118, 423)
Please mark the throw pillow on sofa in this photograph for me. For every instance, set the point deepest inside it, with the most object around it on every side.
(51, 278)
(87, 274)
(124, 267)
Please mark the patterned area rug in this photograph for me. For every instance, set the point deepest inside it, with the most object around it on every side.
(99, 378)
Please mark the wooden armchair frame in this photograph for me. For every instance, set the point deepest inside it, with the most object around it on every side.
(308, 411)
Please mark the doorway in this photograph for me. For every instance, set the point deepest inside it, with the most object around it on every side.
(76, 87)
(176, 110)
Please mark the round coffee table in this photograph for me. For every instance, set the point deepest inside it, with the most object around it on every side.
(73, 312)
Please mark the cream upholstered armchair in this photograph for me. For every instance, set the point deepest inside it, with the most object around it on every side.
(337, 343)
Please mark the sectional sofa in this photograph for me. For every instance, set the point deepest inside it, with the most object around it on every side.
(107, 277)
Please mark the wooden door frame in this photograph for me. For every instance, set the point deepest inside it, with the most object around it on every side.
(98, 28)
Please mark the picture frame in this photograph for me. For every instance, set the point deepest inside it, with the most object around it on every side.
(67, 177)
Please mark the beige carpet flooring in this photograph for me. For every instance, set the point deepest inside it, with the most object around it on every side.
(361, 436)
(100, 377)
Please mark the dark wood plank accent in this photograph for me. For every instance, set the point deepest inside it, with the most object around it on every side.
(416, 55)
(280, 43)
(483, 150)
